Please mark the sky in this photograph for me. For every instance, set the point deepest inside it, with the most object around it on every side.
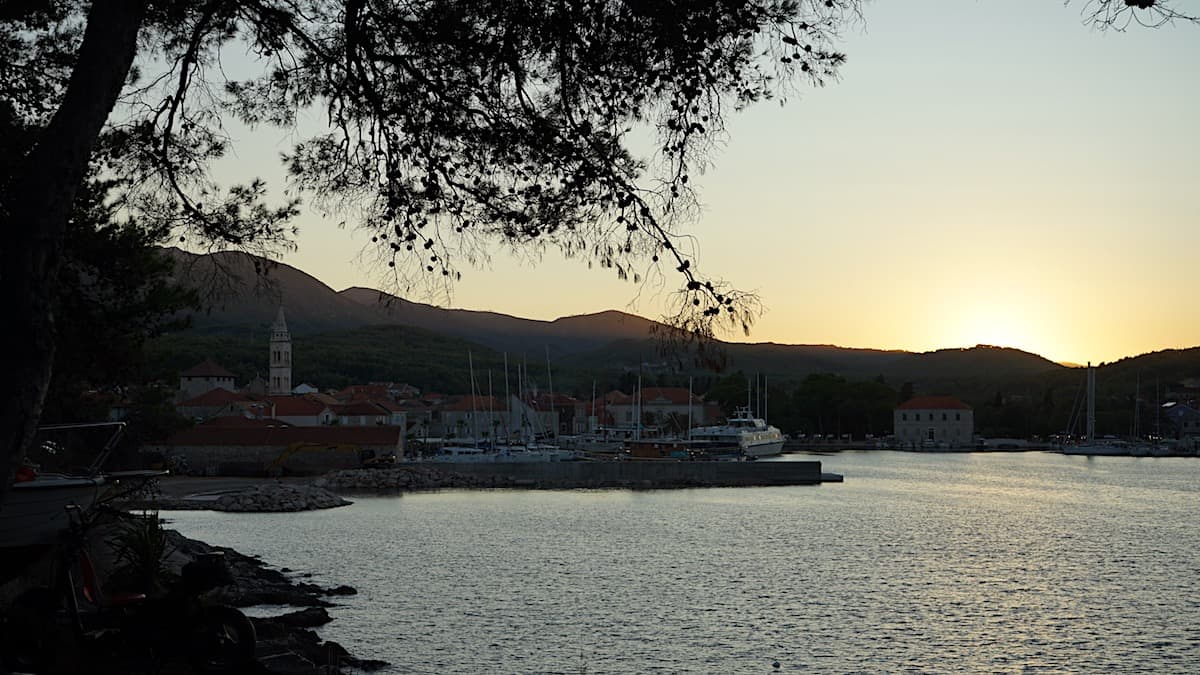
(983, 172)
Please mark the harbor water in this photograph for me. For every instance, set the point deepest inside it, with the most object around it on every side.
(982, 562)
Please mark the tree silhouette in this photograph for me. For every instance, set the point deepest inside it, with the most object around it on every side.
(454, 128)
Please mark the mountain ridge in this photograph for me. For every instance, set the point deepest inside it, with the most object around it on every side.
(612, 337)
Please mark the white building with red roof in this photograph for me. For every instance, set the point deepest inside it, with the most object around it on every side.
(666, 407)
(934, 422)
(300, 411)
(204, 377)
(214, 402)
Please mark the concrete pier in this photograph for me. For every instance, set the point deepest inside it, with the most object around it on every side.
(642, 474)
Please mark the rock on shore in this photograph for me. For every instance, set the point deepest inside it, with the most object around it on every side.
(270, 497)
(275, 497)
(285, 643)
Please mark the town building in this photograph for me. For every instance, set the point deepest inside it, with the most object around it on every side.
(665, 408)
(212, 403)
(1183, 419)
(261, 447)
(934, 422)
(300, 411)
(202, 378)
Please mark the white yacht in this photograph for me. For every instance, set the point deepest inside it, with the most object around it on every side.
(752, 434)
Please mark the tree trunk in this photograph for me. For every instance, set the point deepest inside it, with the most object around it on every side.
(34, 216)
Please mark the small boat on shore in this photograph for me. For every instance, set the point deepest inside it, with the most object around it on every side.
(34, 512)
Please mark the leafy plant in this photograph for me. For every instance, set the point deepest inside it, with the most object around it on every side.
(140, 548)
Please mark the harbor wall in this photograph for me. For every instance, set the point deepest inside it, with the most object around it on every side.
(650, 474)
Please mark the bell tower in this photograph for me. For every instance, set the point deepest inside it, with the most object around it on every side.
(280, 382)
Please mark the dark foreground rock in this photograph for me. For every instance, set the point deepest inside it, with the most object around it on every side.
(285, 643)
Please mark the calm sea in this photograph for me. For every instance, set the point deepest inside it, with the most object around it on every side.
(1012, 562)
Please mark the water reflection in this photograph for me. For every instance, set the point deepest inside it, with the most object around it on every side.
(935, 563)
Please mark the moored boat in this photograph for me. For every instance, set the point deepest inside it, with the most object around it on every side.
(752, 434)
(34, 512)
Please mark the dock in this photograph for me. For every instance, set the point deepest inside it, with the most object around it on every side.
(643, 474)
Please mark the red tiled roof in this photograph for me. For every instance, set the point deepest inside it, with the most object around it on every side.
(617, 397)
(213, 397)
(206, 368)
(933, 403)
(359, 408)
(287, 435)
(390, 406)
(357, 392)
(481, 404)
(241, 421)
(676, 395)
(292, 406)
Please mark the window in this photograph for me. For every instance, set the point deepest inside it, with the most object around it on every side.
(904, 417)
(957, 417)
(943, 417)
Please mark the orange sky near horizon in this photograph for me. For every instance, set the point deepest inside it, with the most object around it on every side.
(991, 172)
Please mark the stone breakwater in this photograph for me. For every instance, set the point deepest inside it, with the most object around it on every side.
(410, 477)
(569, 475)
(264, 498)
(275, 498)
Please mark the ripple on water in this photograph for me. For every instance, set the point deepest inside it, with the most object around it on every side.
(1012, 562)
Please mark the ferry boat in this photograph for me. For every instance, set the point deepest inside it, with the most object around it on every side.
(752, 434)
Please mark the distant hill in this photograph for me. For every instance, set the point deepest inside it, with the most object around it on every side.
(244, 302)
(502, 332)
(582, 347)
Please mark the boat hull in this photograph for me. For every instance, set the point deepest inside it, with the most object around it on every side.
(764, 449)
(35, 511)
(1097, 450)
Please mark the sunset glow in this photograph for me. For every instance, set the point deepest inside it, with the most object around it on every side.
(950, 190)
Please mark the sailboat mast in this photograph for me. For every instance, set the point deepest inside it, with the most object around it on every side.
(1091, 403)
(550, 384)
(689, 433)
(474, 416)
(637, 407)
(757, 395)
(1137, 406)
(507, 404)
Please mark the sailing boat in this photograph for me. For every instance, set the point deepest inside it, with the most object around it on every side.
(529, 450)
(1093, 446)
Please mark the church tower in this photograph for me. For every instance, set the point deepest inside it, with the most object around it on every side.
(280, 382)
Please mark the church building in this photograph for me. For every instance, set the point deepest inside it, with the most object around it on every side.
(280, 379)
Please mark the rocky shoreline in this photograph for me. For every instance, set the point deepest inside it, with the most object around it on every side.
(286, 643)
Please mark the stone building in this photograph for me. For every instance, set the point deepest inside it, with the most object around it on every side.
(934, 422)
